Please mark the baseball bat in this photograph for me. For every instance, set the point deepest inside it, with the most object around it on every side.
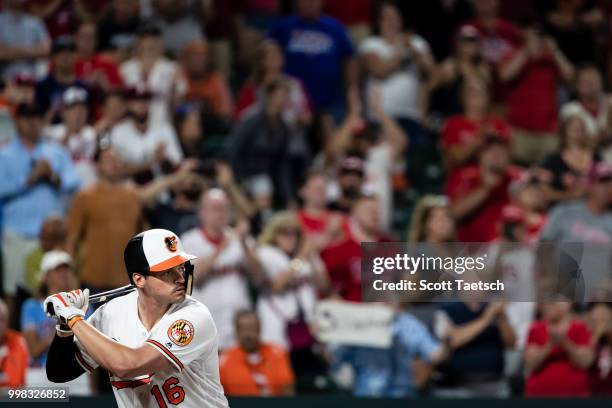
(110, 294)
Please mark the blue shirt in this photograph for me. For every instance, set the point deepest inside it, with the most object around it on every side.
(315, 52)
(33, 317)
(387, 372)
(24, 208)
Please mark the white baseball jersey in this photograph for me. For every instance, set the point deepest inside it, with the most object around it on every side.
(186, 335)
(226, 292)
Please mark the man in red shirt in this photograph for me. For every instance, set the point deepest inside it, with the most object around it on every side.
(14, 355)
(479, 193)
(255, 368)
(532, 73)
(558, 354)
(343, 260)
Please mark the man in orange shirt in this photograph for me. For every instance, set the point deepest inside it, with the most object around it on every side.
(13, 353)
(255, 368)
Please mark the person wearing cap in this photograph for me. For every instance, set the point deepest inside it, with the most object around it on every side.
(588, 219)
(56, 274)
(149, 68)
(24, 40)
(61, 76)
(147, 148)
(158, 328)
(37, 176)
(464, 65)
(343, 259)
(351, 177)
(374, 147)
(478, 193)
(75, 133)
(533, 73)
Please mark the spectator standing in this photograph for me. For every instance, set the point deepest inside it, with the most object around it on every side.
(263, 137)
(593, 105)
(558, 354)
(61, 76)
(464, 135)
(99, 72)
(295, 274)
(101, 219)
(382, 145)
(320, 225)
(75, 134)
(479, 193)
(532, 74)
(253, 367)
(568, 169)
(226, 262)
(13, 353)
(499, 37)
(147, 148)
(477, 333)
(318, 52)
(205, 86)
(149, 69)
(269, 68)
(464, 65)
(588, 219)
(343, 259)
(398, 63)
(37, 176)
(24, 40)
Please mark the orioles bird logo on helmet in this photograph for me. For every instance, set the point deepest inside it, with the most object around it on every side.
(171, 243)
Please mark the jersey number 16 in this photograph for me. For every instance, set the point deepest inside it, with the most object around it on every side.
(175, 394)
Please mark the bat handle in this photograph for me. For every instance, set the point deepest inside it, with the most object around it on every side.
(50, 310)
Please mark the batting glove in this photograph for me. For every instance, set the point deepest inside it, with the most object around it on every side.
(67, 307)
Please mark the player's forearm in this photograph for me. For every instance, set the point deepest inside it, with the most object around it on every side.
(115, 357)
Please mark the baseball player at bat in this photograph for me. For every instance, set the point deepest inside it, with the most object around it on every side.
(158, 344)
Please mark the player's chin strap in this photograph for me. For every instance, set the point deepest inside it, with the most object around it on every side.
(188, 277)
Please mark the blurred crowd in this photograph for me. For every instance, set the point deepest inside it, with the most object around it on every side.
(274, 136)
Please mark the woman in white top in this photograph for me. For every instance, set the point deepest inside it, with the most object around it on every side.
(151, 70)
(295, 273)
(397, 61)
